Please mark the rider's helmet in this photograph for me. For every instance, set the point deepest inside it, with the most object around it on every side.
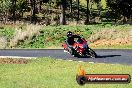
(69, 34)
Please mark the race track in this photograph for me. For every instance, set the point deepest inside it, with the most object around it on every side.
(104, 55)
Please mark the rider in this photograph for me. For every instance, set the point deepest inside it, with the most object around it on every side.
(70, 39)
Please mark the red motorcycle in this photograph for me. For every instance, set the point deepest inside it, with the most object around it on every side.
(80, 48)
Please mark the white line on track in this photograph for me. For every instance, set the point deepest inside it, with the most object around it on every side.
(80, 61)
(17, 57)
(70, 60)
(91, 62)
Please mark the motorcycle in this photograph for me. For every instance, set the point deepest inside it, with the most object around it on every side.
(80, 49)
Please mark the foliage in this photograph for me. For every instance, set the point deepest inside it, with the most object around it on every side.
(22, 5)
(55, 3)
(116, 8)
(21, 35)
(104, 4)
(5, 5)
(121, 7)
(7, 32)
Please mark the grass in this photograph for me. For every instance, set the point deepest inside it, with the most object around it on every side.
(6, 31)
(52, 73)
(55, 35)
(36, 36)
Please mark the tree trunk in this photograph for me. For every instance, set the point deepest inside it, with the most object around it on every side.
(14, 10)
(40, 4)
(33, 6)
(62, 16)
(78, 3)
(87, 13)
(31, 3)
(71, 6)
(71, 9)
(6, 17)
(34, 11)
(99, 8)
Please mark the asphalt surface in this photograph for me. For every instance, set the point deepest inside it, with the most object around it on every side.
(104, 55)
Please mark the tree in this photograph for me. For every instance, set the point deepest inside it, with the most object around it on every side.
(21, 7)
(87, 13)
(70, 2)
(40, 4)
(14, 10)
(33, 11)
(121, 8)
(62, 16)
(5, 6)
(71, 6)
(44, 1)
(78, 3)
(98, 2)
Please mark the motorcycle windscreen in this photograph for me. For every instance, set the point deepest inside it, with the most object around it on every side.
(80, 41)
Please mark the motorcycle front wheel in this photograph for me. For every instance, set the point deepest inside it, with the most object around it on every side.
(92, 53)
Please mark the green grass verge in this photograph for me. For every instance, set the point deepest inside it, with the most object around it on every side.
(53, 36)
(52, 73)
(6, 32)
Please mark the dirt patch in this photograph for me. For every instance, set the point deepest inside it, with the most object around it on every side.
(13, 61)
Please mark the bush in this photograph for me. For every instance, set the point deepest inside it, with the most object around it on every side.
(3, 42)
(21, 35)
